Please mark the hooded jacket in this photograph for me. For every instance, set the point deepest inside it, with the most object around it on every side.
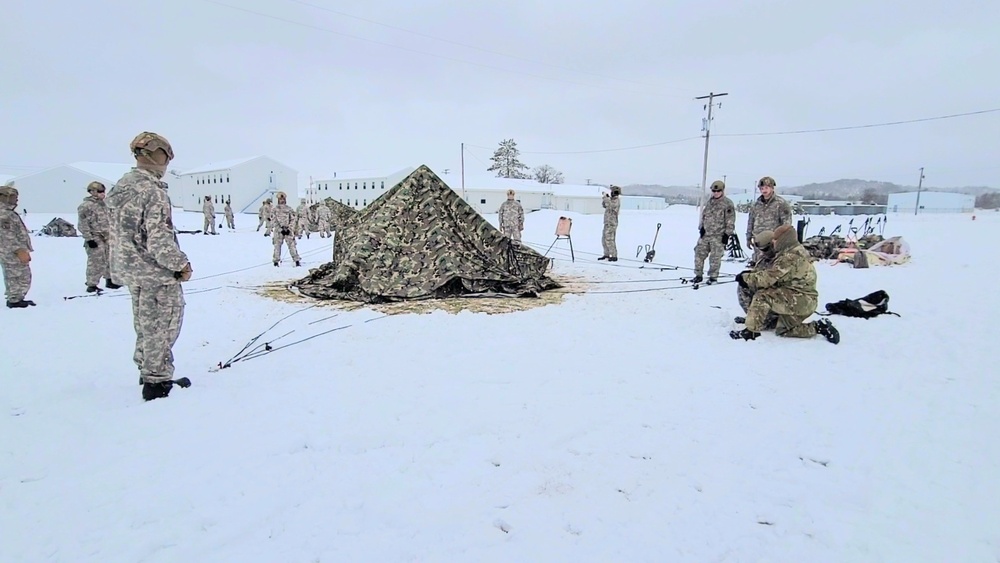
(792, 268)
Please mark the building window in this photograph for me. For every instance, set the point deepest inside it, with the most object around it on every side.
(383, 184)
(341, 185)
(364, 185)
(483, 201)
(355, 203)
(365, 202)
(355, 185)
(227, 178)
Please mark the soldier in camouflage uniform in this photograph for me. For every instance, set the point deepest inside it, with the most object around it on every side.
(146, 257)
(769, 211)
(264, 217)
(764, 260)
(323, 216)
(283, 221)
(787, 289)
(15, 250)
(93, 224)
(612, 204)
(208, 209)
(230, 218)
(718, 223)
(511, 217)
(302, 219)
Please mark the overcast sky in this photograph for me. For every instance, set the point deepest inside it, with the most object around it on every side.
(388, 84)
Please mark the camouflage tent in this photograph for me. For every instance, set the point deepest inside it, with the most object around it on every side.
(58, 227)
(420, 240)
(340, 214)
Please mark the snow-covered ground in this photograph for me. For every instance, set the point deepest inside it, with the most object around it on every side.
(610, 427)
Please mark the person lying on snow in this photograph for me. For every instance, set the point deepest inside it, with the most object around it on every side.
(787, 289)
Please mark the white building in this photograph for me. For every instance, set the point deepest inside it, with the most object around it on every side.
(61, 189)
(931, 202)
(486, 193)
(748, 196)
(356, 188)
(246, 182)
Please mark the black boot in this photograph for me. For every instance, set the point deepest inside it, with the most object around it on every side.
(696, 279)
(612, 258)
(604, 258)
(297, 263)
(711, 281)
(19, 304)
(275, 264)
(745, 334)
(740, 320)
(826, 328)
(111, 285)
(93, 289)
(160, 390)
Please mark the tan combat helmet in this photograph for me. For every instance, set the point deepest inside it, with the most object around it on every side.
(146, 142)
(8, 194)
(96, 186)
(718, 185)
(766, 181)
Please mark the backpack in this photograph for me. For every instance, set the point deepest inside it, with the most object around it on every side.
(871, 305)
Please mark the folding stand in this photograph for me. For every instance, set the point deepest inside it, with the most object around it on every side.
(562, 232)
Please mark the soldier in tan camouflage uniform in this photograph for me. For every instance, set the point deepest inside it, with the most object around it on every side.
(208, 209)
(15, 250)
(230, 218)
(146, 257)
(302, 219)
(769, 211)
(323, 216)
(264, 217)
(511, 217)
(612, 204)
(764, 259)
(718, 223)
(93, 224)
(787, 289)
(283, 220)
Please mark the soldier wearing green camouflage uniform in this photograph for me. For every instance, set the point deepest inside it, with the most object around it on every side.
(511, 217)
(283, 220)
(15, 250)
(302, 219)
(718, 223)
(230, 218)
(787, 289)
(769, 211)
(93, 223)
(146, 257)
(612, 204)
(208, 209)
(764, 253)
(323, 217)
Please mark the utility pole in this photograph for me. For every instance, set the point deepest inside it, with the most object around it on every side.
(706, 127)
(463, 173)
(920, 186)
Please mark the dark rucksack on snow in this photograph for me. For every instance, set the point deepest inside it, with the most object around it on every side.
(871, 305)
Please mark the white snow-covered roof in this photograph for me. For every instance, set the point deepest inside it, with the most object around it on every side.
(220, 165)
(4, 178)
(110, 171)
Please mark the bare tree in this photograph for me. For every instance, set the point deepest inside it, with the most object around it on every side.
(505, 162)
(545, 174)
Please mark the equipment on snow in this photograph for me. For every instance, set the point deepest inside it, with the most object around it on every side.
(651, 251)
(872, 305)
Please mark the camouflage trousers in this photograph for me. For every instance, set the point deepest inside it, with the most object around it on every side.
(157, 315)
(709, 246)
(511, 231)
(261, 221)
(98, 265)
(230, 221)
(608, 240)
(209, 224)
(16, 279)
(324, 228)
(790, 307)
(289, 239)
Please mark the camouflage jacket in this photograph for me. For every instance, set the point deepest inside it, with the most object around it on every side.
(144, 248)
(611, 206)
(768, 215)
(792, 269)
(208, 208)
(282, 217)
(302, 211)
(265, 211)
(323, 212)
(93, 219)
(228, 210)
(511, 214)
(14, 235)
(718, 216)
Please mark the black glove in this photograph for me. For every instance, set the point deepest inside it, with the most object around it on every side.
(91, 244)
(741, 281)
(701, 231)
(285, 232)
(725, 238)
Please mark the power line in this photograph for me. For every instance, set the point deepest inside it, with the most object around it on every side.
(867, 126)
(603, 150)
(445, 57)
(468, 46)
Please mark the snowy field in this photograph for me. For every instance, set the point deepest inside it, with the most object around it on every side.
(610, 427)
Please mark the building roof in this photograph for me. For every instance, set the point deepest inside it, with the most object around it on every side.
(220, 165)
(104, 170)
(5, 177)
